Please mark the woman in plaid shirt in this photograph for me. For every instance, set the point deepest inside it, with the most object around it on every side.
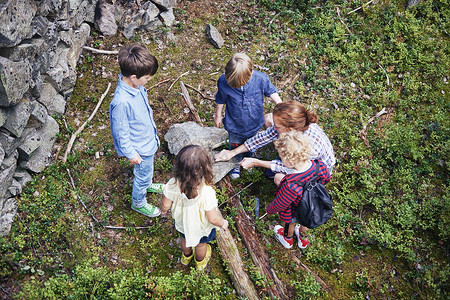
(287, 116)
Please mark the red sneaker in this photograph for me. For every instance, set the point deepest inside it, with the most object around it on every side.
(302, 240)
(279, 235)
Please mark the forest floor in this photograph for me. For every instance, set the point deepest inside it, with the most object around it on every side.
(96, 184)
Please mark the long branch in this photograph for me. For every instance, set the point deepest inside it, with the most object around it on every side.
(74, 135)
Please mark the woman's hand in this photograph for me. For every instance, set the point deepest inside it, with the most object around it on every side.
(224, 155)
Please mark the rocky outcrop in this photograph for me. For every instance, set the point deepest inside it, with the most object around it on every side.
(40, 44)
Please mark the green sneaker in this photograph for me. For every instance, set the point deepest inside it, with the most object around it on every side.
(148, 210)
(156, 188)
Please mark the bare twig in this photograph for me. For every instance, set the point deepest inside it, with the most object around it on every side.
(178, 78)
(342, 21)
(360, 7)
(121, 227)
(187, 99)
(165, 104)
(312, 101)
(100, 51)
(302, 265)
(236, 194)
(161, 82)
(74, 135)
(363, 131)
(203, 96)
(385, 73)
(79, 198)
(262, 216)
(273, 19)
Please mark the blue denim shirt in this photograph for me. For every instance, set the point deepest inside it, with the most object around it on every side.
(244, 106)
(132, 125)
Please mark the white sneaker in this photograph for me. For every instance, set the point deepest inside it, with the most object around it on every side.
(235, 173)
(279, 235)
(302, 241)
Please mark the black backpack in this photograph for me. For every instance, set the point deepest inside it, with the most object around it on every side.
(315, 207)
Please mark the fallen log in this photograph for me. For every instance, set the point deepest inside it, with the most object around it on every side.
(232, 259)
(246, 228)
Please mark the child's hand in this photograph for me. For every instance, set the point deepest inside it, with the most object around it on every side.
(136, 160)
(225, 224)
(224, 155)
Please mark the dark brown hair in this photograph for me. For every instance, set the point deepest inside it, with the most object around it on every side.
(193, 164)
(135, 59)
(238, 70)
(294, 115)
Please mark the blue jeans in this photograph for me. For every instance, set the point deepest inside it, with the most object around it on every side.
(143, 175)
(236, 141)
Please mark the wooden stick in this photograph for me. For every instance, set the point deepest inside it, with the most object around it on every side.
(363, 130)
(170, 87)
(203, 96)
(165, 104)
(302, 265)
(161, 82)
(339, 15)
(218, 145)
(360, 7)
(100, 51)
(187, 98)
(385, 73)
(74, 135)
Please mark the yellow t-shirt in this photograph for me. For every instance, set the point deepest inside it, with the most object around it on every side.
(189, 214)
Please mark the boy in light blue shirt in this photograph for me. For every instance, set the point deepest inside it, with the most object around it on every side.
(133, 129)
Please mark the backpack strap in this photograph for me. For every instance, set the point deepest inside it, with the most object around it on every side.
(316, 173)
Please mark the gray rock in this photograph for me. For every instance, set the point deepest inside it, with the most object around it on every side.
(149, 13)
(190, 133)
(182, 134)
(53, 7)
(165, 4)
(105, 21)
(15, 78)
(22, 176)
(8, 142)
(81, 11)
(213, 36)
(2, 154)
(3, 116)
(63, 76)
(53, 101)
(16, 17)
(29, 142)
(8, 210)
(41, 157)
(7, 169)
(18, 117)
(168, 17)
(79, 38)
(15, 188)
(38, 115)
(221, 169)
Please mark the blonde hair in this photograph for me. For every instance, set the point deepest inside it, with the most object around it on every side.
(293, 146)
(238, 70)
